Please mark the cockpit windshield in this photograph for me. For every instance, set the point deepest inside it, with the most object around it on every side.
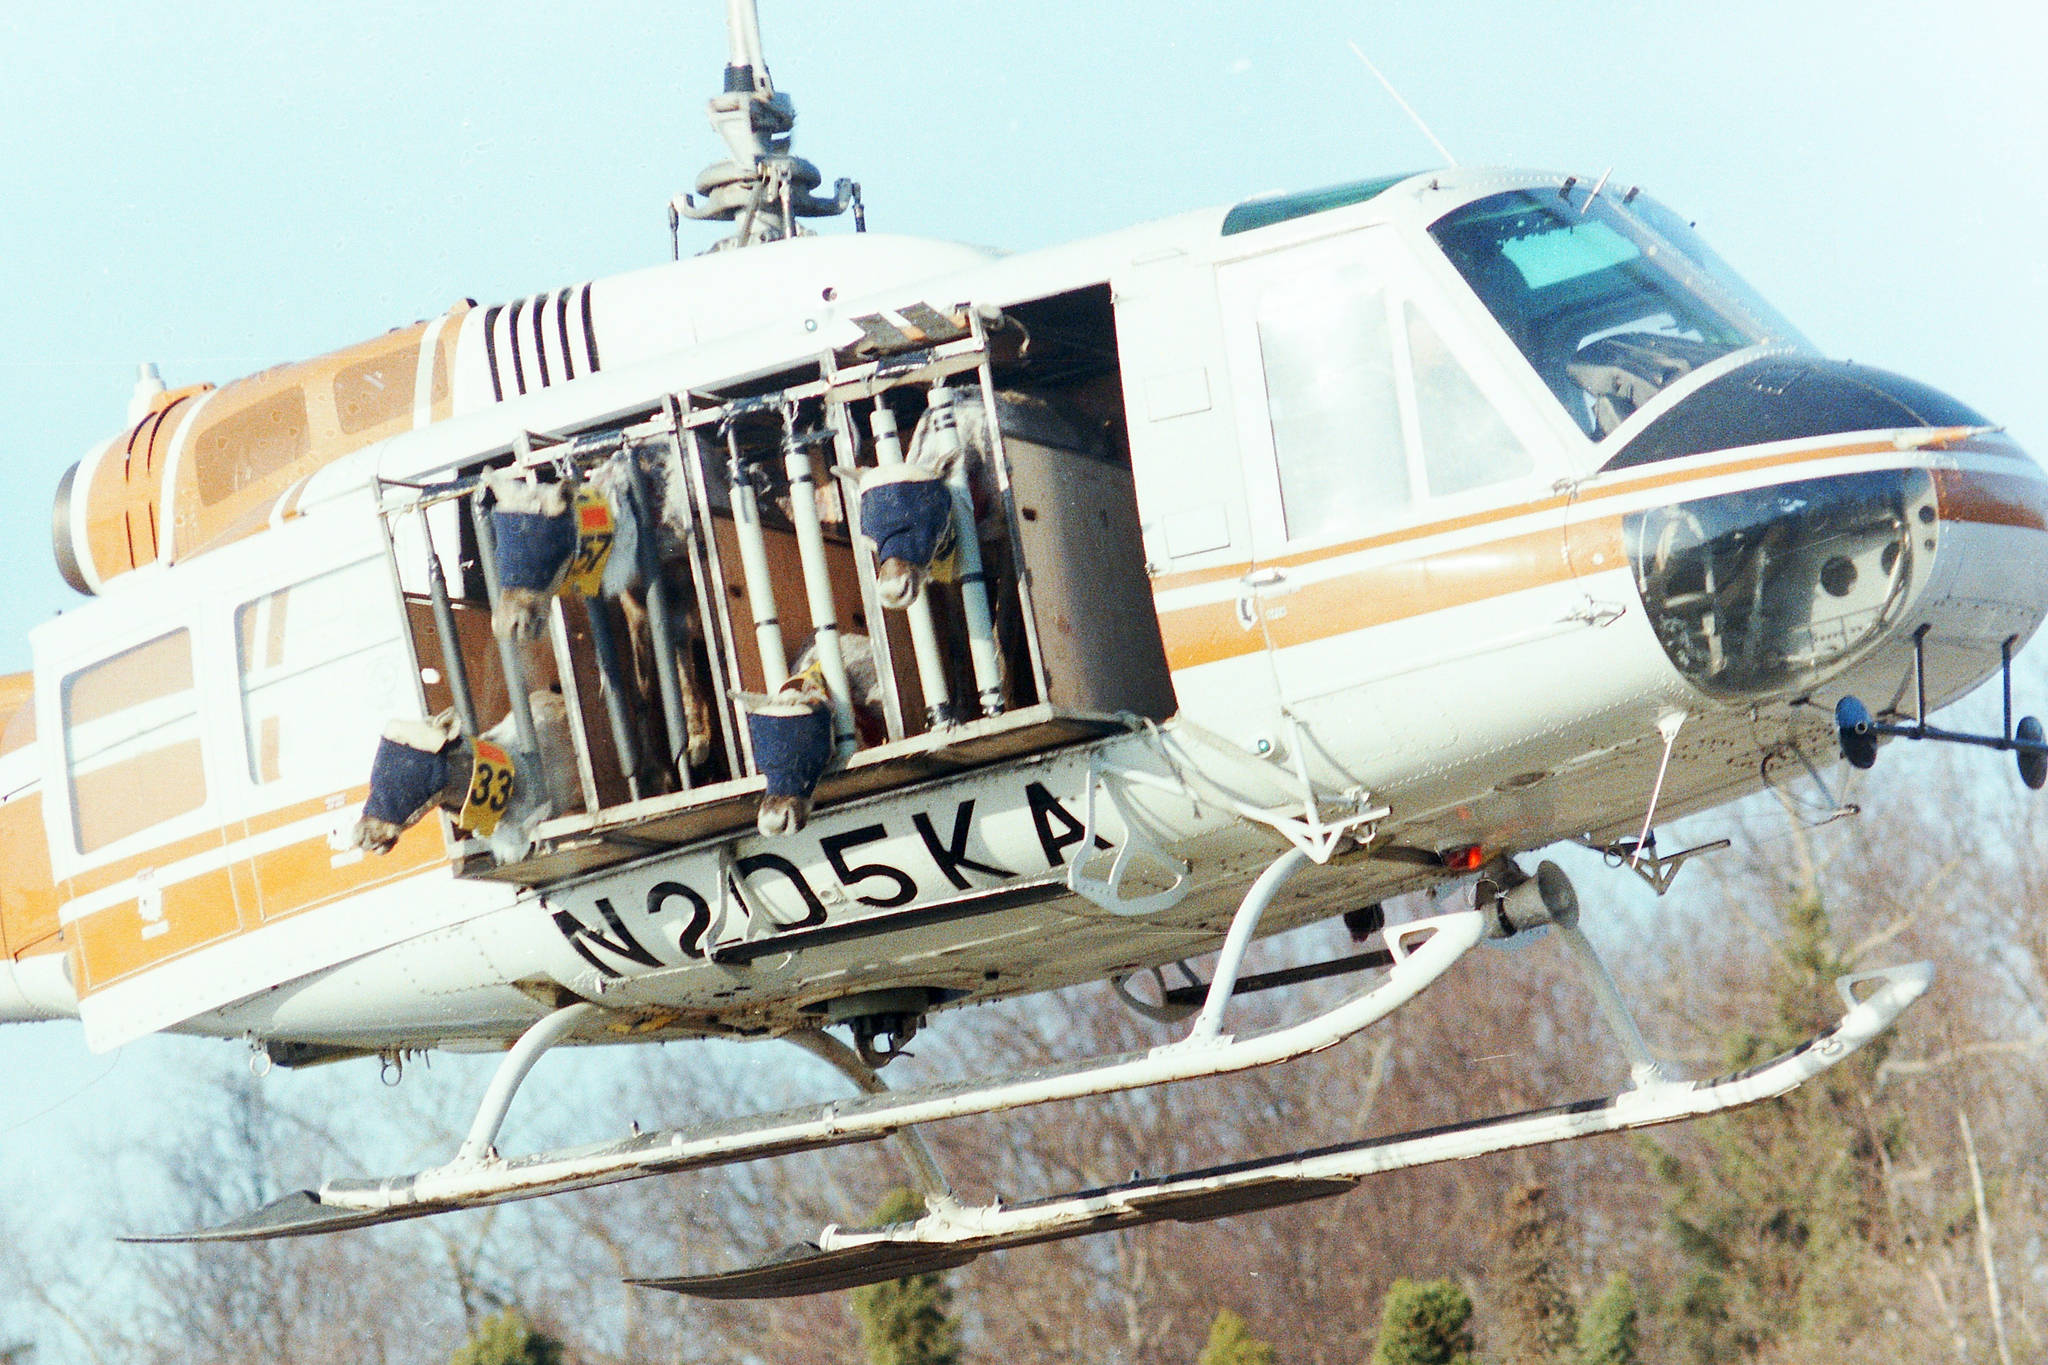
(1609, 300)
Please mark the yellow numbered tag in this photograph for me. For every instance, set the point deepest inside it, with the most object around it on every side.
(594, 534)
(490, 789)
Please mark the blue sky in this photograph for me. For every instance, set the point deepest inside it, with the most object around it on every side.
(219, 187)
(222, 186)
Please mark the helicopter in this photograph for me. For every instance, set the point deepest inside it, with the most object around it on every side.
(1403, 527)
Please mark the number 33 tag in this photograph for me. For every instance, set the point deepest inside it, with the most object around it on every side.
(490, 789)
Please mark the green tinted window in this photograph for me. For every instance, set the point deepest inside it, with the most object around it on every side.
(1279, 208)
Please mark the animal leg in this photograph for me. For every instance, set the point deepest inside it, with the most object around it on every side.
(655, 773)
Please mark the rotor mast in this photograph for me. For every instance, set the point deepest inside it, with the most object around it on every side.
(760, 186)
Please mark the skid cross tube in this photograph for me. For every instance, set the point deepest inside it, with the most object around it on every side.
(497, 1102)
(917, 1153)
(1644, 1068)
(1209, 1023)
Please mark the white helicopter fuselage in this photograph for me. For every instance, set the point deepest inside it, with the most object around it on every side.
(1423, 600)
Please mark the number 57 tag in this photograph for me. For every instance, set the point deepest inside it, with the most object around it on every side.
(595, 532)
(490, 789)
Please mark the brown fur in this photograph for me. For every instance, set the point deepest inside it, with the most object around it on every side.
(652, 468)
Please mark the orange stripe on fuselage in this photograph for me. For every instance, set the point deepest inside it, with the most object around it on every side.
(1197, 577)
(28, 899)
(246, 892)
(161, 855)
(1377, 595)
(1348, 602)
(1992, 499)
(124, 939)
(303, 875)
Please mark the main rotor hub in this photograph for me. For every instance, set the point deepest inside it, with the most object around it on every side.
(760, 185)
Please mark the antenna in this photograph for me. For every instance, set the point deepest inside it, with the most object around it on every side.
(760, 185)
(1406, 107)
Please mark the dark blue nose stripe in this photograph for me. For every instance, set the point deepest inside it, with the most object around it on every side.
(532, 549)
(792, 750)
(404, 781)
(911, 521)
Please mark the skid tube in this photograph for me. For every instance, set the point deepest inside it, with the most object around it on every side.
(951, 1236)
(1422, 951)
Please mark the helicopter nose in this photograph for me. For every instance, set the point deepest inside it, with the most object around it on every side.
(1791, 398)
(1778, 586)
(1767, 589)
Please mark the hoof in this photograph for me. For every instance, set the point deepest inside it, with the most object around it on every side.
(699, 752)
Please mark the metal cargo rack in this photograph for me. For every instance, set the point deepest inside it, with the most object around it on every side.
(759, 547)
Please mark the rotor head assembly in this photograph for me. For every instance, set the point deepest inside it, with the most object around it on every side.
(760, 185)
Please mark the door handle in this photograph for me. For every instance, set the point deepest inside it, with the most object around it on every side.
(1264, 581)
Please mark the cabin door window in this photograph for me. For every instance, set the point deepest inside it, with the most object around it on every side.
(1333, 401)
(322, 667)
(132, 745)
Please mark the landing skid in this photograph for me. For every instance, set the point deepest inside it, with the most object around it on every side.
(951, 1235)
(1421, 951)
(1418, 953)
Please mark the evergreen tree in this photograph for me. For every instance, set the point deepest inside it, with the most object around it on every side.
(1231, 1343)
(1790, 1194)
(907, 1321)
(1424, 1324)
(1532, 1319)
(1607, 1329)
(507, 1338)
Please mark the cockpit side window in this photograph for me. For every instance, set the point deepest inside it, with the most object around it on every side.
(132, 741)
(1373, 408)
(1466, 443)
(1609, 302)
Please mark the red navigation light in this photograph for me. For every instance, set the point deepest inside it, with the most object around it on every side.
(1470, 858)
